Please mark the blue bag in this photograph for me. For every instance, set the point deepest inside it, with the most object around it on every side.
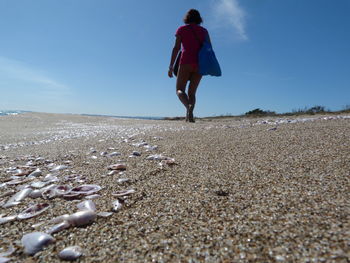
(208, 64)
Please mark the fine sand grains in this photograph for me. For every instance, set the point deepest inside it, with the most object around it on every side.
(239, 191)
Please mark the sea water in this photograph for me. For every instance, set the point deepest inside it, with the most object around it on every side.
(10, 112)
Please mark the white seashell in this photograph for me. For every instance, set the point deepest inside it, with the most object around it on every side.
(59, 227)
(105, 214)
(34, 242)
(35, 173)
(6, 219)
(123, 180)
(117, 205)
(85, 189)
(112, 172)
(4, 259)
(38, 224)
(50, 178)
(86, 205)
(94, 157)
(139, 144)
(151, 148)
(82, 218)
(59, 168)
(103, 153)
(17, 198)
(59, 219)
(33, 211)
(9, 251)
(70, 253)
(124, 192)
(118, 166)
(157, 157)
(35, 193)
(39, 184)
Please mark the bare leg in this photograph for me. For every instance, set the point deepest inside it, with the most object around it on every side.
(194, 82)
(181, 82)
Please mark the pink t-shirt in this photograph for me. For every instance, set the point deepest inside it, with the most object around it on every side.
(190, 43)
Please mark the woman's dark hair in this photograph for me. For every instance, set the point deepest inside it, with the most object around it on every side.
(193, 16)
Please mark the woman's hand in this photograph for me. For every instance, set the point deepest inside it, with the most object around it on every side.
(170, 72)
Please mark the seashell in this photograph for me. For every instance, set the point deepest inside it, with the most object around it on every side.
(114, 154)
(151, 148)
(35, 173)
(21, 172)
(157, 157)
(39, 184)
(85, 189)
(34, 242)
(9, 192)
(36, 193)
(82, 218)
(62, 189)
(17, 198)
(50, 178)
(94, 157)
(34, 210)
(57, 190)
(59, 168)
(124, 192)
(38, 224)
(118, 166)
(103, 153)
(6, 219)
(86, 205)
(105, 214)
(4, 259)
(169, 162)
(39, 159)
(123, 180)
(135, 153)
(139, 144)
(59, 219)
(112, 172)
(117, 205)
(59, 227)
(9, 251)
(70, 253)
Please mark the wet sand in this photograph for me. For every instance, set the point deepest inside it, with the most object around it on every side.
(242, 190)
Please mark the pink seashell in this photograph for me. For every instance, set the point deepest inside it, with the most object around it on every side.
(86, 189)
(34, 242)
(33, 211)
(124, 192)
(118, 166)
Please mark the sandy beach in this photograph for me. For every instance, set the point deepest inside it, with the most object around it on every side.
(223, 190)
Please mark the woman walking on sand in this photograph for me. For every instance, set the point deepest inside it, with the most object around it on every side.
(189, 36)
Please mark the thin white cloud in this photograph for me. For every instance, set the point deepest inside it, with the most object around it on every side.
(20, 71)
(228, 13)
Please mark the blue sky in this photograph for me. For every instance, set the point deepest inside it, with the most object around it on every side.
(111, 56)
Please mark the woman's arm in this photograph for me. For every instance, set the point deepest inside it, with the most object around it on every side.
(174, 53)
